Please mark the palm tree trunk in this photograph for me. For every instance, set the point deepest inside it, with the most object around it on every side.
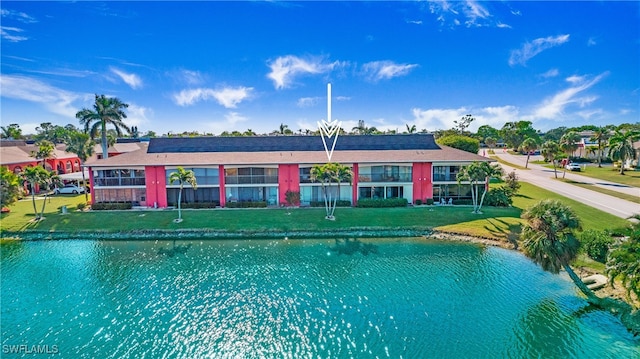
(44, 203)
(105, 148)
(180, 201)
(84, 181)
(591, 297)
(33, 199)
(526, 165)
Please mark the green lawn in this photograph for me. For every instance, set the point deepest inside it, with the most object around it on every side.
(607, 173)
(498, 223)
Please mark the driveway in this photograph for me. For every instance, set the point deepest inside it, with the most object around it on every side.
(543, 177)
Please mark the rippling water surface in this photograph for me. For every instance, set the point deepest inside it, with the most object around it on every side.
(406, 298)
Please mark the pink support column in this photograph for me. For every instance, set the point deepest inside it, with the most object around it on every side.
(223, 194)
(354, 189)
(427, 183)
(161, 189)
(417, 179)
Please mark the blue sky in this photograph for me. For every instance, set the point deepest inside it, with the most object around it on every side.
(216, 66)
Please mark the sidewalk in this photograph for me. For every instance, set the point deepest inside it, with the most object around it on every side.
(544, 177)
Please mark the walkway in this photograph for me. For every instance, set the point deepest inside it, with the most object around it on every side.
(543, 177)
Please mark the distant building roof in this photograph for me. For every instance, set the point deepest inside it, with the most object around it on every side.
(292, 143)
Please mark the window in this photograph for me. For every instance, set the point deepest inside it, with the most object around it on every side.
(381, 192)
(119, 177)
(204, 176)
(385, 174)
(251, 175)
(445, 173)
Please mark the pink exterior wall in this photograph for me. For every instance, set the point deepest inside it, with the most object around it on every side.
(354, 192)
(156, 183)
(288, 180)
(223, 194)
(422, 184)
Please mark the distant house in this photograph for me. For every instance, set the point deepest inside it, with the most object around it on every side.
(17, 154)
(264, 168)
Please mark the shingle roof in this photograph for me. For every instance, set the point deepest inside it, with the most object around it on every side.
(291, 143)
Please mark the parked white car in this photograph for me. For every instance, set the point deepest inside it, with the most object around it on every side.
(573, 167)
(69, 189)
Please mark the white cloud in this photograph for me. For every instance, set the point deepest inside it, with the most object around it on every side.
(442, 119)
(9, 34)
(234, 118)
(137, 115)
(591, 42)
(553, 107)
(285, 68)
(231, 97)
(503, 25)
(575, 79)
(307, 101)
(191, 77)
(437, 119)
(384, 70)
(415, 22)
(533, 48)
(227, 97)
(131, 79)
(191, 96)
(472, 13)
(55, 100)
(17, 15)
(550, 73)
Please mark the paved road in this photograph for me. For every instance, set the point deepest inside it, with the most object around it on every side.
(543, 177)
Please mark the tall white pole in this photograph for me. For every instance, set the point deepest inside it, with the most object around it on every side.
(329, 102)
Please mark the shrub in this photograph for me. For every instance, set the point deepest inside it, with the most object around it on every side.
(460, 142)
(429, 201)
(292, 198)
(106, 206)
(198, 205)
(382, 203)
(418, 202)
(259, 204)
(465, 202)
(596, 244)
(499, 197)
(81, 206)
(341, 203)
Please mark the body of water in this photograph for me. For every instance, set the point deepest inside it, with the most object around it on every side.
(398, 298)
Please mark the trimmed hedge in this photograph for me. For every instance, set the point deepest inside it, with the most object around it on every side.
(463, 202)
(199, 205)
(382, 203)
(262, 204)
(429, 201)
(106, 206)
(341, 203)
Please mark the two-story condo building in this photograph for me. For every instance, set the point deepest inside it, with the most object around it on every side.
(264, 168)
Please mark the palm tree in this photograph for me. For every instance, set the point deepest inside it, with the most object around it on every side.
(182, 176)
(106, 110)
(411, 129)
(327, 174)
(490, 142)
(249, 132)
(11, 187)
(621, 146)
(623, 261)
(36, 176)
(478, 174)
(601, 136)
(529, 145)
(548, 239)
(551, 151)
(284, 130)
(45, 151)
(362, 129)
(569, 145)
(82, 145)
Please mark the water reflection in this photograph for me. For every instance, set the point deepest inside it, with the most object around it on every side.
(351, 246)
(296, 298)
